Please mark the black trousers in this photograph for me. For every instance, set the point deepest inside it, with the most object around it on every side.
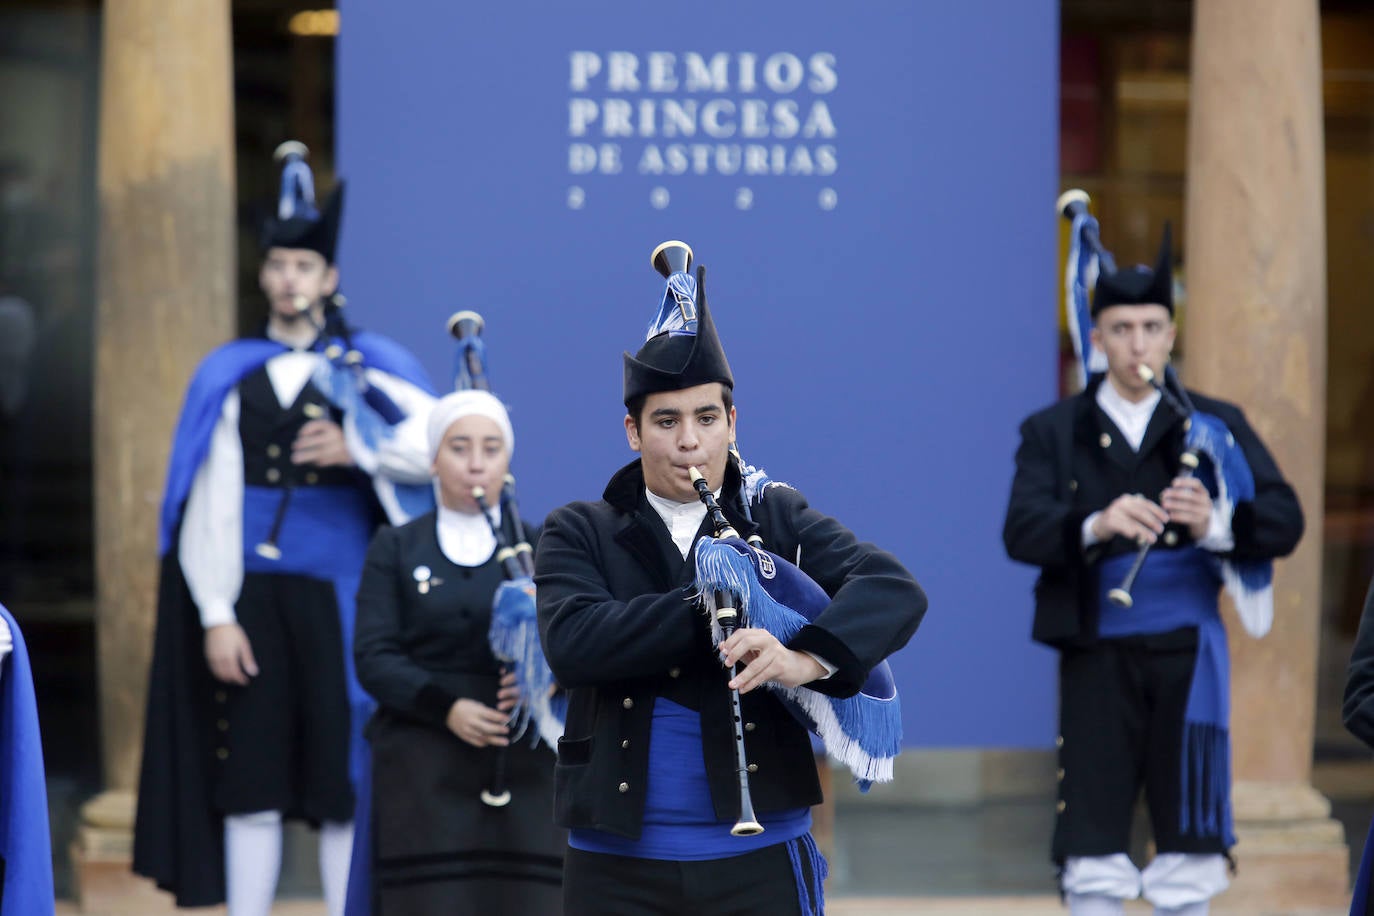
(1121, 708)
(759, 883)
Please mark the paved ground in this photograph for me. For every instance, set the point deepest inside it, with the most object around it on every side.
(888, 861)
(851, 906)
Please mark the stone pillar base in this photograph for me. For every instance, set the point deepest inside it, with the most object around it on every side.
(102, 860)
(1290, 853)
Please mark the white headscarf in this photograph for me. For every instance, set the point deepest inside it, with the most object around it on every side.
(461, 404)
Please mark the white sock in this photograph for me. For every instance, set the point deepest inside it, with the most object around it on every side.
(1188, 909)
(1094, 905)
(252, 861)
(1181, 884)
(336, 852)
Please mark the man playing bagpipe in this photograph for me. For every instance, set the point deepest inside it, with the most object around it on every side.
(287, 446)
(654, 766)
(1139, 500)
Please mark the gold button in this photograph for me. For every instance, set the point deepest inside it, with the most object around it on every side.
(1060, 774)
(313, 411)
(1060, 807)
(674, 672)
(223, 725)
(1170, 538)
(1059, 741)
(273, 475)
(753, 768)
(274, 451)
(624, 787)
(311, 477)
(1073, 486)
(628, 703)
(222, 753)
(749, 726)
(1104, 440)
(625, 743)
(220, 696)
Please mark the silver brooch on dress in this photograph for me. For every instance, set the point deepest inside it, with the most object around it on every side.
(425, 579)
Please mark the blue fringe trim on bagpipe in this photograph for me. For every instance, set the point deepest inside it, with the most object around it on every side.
(372, 412)
(864, 732)
(1248, 582)
(514, 637)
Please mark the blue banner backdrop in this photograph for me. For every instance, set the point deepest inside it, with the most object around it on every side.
(870, 187)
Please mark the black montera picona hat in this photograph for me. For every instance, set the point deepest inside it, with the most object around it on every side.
(297, 223)
(1139, 285)
(683, 349)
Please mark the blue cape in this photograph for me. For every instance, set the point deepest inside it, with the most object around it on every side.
(219, 372)
(25, 847)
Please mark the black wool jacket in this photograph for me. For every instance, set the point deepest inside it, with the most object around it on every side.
(621, 627)
(1073, 461)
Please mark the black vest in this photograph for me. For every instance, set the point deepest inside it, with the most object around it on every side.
(267, 431)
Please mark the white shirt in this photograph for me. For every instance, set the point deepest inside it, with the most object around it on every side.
(465, 537)
(1132, 418)
(681, 519)
(210, 548)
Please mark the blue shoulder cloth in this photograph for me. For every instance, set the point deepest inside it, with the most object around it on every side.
(217, 374)
(24, 841)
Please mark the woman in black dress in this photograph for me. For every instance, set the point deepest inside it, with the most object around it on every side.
(421, 647)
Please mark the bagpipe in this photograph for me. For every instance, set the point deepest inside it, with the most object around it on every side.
(1248, 582)
(1188, 462)
(864, 732)
(514, 631)
(342, 378)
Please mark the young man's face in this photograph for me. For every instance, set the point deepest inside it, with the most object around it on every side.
(1132, 336)
(473, 454)
(291, 274)
(681, 430)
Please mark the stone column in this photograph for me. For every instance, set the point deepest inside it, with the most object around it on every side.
(166, 296)
(1256, 328)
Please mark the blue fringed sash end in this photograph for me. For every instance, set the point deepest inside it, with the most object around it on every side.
(863, 732)
(1205, 806)
(514, 637)
(811, 870)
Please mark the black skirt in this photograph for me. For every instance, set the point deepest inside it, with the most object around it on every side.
(437, 848)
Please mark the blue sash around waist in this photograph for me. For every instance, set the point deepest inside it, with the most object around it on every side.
(1175, 589)
(679, 819)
